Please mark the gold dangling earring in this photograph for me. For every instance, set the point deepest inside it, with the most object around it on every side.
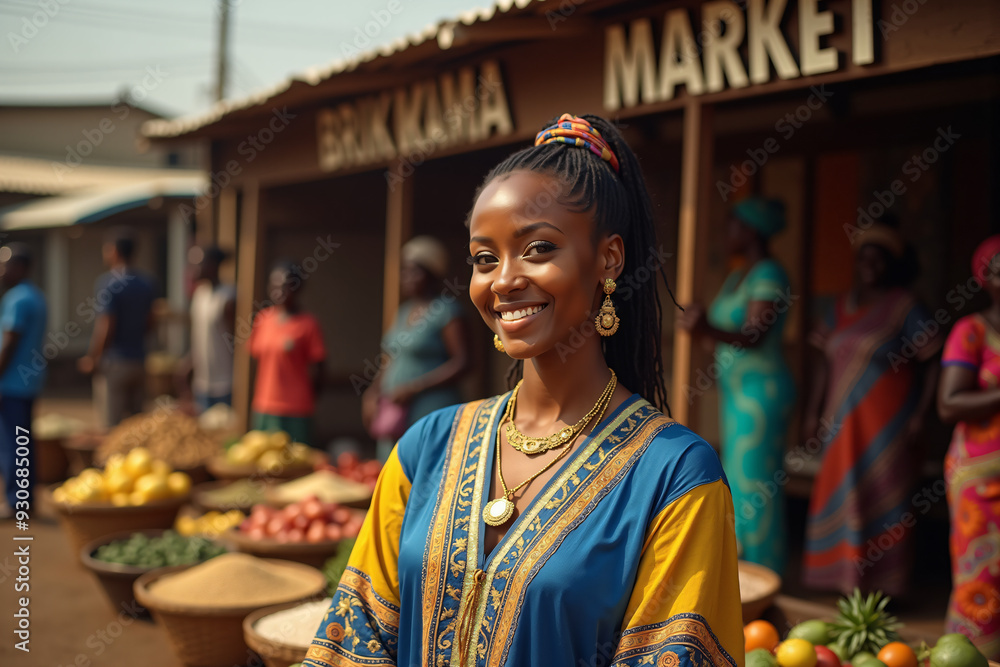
(607, 320)
(498, 344)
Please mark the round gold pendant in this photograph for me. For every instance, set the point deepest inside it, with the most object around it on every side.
(498, 512)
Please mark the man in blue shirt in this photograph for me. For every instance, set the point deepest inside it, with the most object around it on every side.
(22, 322)
(117, 357)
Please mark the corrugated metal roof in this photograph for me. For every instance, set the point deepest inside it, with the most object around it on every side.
(52, 177)
(443, 33)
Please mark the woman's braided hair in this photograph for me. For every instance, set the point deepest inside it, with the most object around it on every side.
(620, 205)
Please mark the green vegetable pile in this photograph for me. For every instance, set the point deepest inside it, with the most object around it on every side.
(168, 549)
(335, 566)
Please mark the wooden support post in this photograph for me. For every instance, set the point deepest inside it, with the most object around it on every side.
(249, 257)
(696, 171)
(398, 228)
(226, 238)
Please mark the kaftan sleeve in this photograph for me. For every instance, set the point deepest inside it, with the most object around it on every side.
(685, 606)
(361, 627)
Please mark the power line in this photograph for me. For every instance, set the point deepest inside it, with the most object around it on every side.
(115, 13)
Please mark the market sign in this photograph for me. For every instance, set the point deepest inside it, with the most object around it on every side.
(710, 60)
(413, 121)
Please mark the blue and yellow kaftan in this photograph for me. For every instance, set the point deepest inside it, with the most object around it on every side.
(626, 557)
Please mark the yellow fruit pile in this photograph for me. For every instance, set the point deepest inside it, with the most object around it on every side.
(269, 452)
(211, 524)
(132, 479)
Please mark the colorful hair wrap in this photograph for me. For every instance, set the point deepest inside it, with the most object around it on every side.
(983, 256)
(575, 131)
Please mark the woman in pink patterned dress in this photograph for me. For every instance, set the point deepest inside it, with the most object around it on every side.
(969, 394)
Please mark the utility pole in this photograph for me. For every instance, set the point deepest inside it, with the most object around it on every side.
(222, 64)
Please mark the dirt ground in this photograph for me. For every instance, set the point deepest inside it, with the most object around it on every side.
(71, 621)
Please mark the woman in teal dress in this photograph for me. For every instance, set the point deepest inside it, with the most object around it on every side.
(426, 346)
(756, 388)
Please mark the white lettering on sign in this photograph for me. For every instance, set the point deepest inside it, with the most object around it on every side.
(455, 108)
(709, 60)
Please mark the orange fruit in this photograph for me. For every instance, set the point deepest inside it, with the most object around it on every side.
(760, 634)
(898, 654)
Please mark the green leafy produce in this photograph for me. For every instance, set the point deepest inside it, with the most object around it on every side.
(815, 632)
(863, 624)
(761, 657)
(335, 566)
(169, 548)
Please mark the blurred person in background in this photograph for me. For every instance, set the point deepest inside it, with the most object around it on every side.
(288, 345)
(427, 345)
(969, 394)
(868, 400)
(213, 318)
(22, 321)
(757, 391)
(117, 358)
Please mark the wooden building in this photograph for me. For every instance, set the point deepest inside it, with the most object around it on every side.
(842, 108)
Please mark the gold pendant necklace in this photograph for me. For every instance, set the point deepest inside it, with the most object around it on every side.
(499, 510)
(532, 445)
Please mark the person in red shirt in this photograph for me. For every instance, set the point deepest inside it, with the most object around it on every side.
(288, 346)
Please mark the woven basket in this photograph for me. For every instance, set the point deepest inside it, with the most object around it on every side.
(201, 496)
(116, 579)
(314, 554)
(222, 469)
(764, 585)
(208, 636)
(86, 522)
(274, 653)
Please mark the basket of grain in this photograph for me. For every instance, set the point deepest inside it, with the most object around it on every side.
(89, 521)
(202, 607)
(118, 560)
(281, 634)
(169, 435)
(758, 588)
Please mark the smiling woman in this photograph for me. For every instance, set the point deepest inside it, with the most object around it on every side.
(568, 521)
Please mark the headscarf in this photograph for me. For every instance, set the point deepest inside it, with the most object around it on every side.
(428, 253)
(982, 256)
(576, 131)
(764, 216)
(884, 237)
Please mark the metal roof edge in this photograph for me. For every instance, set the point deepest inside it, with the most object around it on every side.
(161, 129)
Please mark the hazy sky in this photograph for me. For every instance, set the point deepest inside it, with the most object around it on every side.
(89, 50)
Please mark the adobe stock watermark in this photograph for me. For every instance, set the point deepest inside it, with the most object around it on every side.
(795, 461)
(914, 167)
(389, 351)
(322, 251)
(248, 149)
(32, 25)
(628, 284)
(894, 533)
(365, 34)
(754, 330)
(88, 310)
(900, 14)
(786, 126)
(94, 136)
(425, 147)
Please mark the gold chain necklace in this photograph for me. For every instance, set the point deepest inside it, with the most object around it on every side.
(531, 445)
(499, 510)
